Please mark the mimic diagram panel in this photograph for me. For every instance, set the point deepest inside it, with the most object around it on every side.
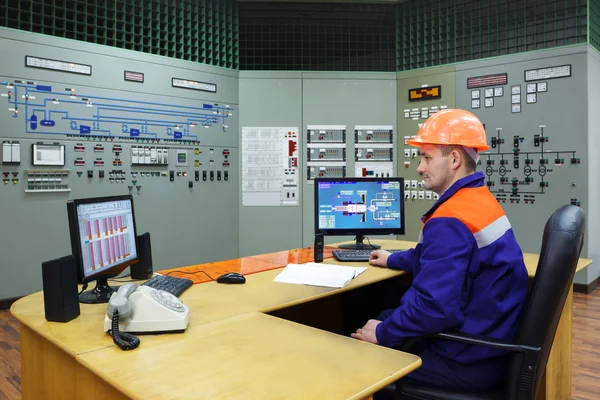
(537, 126)
(270, 174)
(520, 174)
(102, 135)
(361, 207)
(526, 163)
(67, 111)
(325, 151)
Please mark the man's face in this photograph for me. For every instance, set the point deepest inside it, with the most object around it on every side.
(435, 168)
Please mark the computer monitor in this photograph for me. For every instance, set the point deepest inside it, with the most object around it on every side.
(102, 231)
(359, 206)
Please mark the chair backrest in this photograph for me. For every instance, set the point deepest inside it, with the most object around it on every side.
(561, 246)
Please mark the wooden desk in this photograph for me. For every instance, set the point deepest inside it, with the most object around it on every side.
(251, 356)
(229, 350)
(229, 334)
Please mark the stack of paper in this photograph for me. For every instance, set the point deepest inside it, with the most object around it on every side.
(327, 275)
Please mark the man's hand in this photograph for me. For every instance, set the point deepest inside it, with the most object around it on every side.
(379, 258)
(367, 332)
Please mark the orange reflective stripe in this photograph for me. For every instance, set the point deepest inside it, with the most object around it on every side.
(466, 205)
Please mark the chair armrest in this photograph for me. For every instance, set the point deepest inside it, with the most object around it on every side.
(477, 340)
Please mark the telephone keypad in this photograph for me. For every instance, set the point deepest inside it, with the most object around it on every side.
(168, 300)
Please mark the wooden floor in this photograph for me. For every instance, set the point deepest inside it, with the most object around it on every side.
(586, 350)
(586, 346)
(10, 357)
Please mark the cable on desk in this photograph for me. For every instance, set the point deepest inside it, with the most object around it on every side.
(191, 273)
(125, 341)
(83, 288)
(368, 240)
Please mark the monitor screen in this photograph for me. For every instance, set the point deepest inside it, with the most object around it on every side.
(103, 236)
(359, 206)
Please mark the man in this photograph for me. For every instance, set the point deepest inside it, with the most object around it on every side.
(468, 270)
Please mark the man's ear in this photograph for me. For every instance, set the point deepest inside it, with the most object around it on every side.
(457, 159)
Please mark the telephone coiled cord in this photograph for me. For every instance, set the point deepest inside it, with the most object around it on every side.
(124, 340)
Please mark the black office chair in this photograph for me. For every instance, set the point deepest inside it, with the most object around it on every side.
(561, 246)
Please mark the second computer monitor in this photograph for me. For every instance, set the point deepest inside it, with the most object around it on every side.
(103, 241)
(360, 207)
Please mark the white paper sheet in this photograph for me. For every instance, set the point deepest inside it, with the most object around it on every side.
(328, 275)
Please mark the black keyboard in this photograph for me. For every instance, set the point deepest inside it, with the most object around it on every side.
(357, 255)
(170, 284)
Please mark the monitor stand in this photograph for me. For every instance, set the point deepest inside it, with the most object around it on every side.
(100, 294)
(359, 245)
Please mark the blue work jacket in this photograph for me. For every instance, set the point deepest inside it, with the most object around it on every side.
(468, 275)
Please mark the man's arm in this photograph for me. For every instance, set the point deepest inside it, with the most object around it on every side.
(404, 260)
(433, 302)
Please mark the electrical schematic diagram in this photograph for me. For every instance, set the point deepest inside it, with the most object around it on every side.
(523, 175)
(53, 110)
(326, 151)
(374, 150)
(361, 206)
(270, 166)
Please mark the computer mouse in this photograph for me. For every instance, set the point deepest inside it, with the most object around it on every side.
(231, 277)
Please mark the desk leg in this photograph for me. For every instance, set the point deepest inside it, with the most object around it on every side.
(47, 372)
(556, 383)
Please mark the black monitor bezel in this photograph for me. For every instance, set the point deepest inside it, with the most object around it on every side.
(74, 234)
(350, 232)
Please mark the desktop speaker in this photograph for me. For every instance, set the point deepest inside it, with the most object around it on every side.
(143, 268)
(59, 282)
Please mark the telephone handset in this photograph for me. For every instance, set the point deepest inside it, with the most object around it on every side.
(142, 309)
(119, 307)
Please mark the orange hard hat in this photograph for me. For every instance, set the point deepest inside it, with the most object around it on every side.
(452, 127)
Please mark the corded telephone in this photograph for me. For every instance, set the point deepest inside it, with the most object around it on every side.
(142, 309)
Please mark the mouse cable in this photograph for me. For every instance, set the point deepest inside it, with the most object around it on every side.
(125, 341)
(191, 273)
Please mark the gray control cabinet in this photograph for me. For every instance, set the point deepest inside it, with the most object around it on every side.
(73, 135)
